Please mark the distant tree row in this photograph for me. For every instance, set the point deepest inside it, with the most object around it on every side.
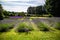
(8, 13)
(36, 10)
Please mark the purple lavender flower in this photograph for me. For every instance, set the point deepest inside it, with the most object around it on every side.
(16, 17)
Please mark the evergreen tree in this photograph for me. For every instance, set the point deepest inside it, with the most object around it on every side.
(1, 12)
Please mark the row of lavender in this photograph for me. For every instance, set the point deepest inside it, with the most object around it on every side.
(52, 22)
(7, 24)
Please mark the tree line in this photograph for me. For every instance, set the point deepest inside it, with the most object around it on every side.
(39, 10)
(8, 13)
(51, 7)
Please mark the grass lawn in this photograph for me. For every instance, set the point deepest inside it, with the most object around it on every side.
(33, 35)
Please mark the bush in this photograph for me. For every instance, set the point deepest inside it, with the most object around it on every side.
(5, 27)
(57, 25)
(24, 28)
(1, 18)
(42, 27)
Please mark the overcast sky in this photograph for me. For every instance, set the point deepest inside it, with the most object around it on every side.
(20, 5)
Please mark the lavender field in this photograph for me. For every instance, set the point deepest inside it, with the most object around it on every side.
(30, 28)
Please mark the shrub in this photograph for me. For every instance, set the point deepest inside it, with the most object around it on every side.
(5, 27)
(24, 28)
(57, 25)
(42, 27)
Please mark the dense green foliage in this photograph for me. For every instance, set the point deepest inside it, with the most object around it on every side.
(1, 12)
(57, 25)
(5, 27)
(38, 10)
(21, 14)
(23, 27)
(53, 7)
(8, 13)
(42, 27)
